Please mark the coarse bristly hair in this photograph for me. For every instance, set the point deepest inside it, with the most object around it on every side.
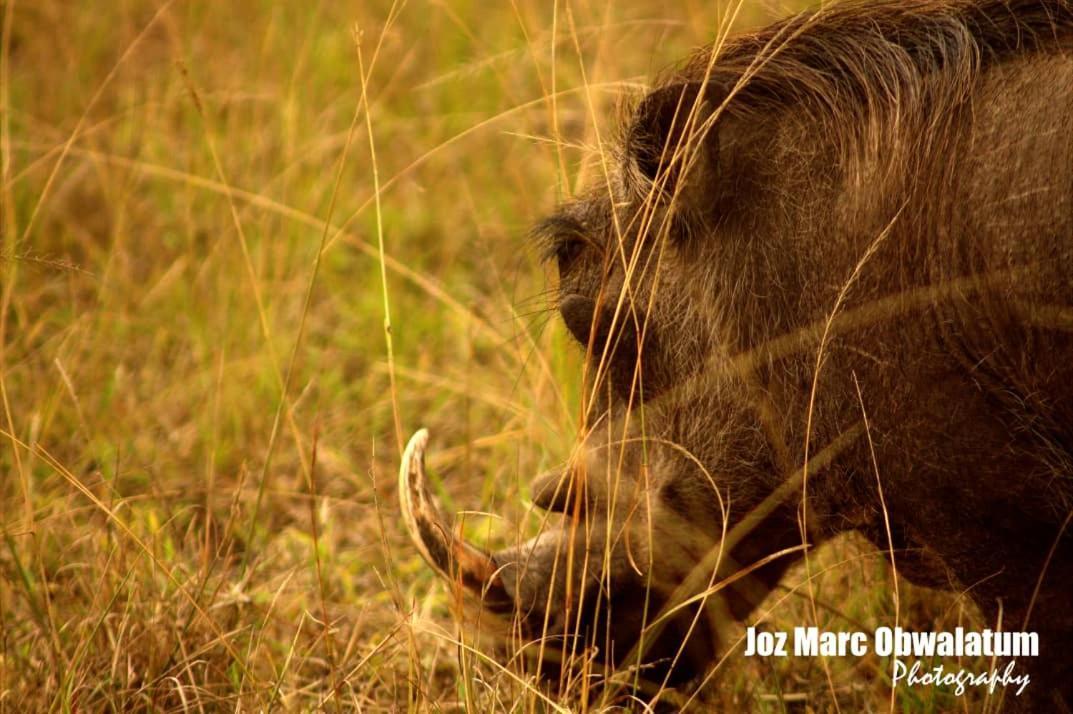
(856, 56)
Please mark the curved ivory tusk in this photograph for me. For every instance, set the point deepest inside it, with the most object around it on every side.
(451, 557)
(419, 514)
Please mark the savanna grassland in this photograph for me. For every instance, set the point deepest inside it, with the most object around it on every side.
(248, 248)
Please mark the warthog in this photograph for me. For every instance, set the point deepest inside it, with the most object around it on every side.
(827, 286)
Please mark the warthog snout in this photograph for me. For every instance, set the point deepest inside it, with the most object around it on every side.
(596, 586)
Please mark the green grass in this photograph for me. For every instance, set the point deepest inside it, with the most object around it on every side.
(151, 308)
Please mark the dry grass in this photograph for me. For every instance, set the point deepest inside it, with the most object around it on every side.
(201, 417)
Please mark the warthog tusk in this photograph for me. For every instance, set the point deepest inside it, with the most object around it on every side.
(450, 556)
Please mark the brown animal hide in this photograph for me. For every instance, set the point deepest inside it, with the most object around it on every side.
(834, 253)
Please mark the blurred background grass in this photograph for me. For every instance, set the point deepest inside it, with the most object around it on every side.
(170, 172)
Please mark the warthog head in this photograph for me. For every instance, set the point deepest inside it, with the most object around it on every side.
(684, 446)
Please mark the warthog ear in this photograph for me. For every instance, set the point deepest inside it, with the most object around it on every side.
(672, 136)
(693, 141)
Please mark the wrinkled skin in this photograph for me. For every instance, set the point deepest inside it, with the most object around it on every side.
(935, 223)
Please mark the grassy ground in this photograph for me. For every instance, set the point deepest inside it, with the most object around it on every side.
(199, 429)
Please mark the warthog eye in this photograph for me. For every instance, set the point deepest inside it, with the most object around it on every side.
(563, 237)
(567, 251)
